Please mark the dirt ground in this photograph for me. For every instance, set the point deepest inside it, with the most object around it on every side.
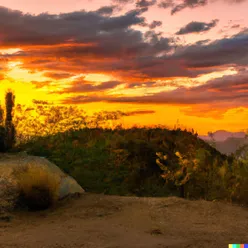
(101, 221)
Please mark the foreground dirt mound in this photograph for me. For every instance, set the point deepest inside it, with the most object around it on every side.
(100, 221)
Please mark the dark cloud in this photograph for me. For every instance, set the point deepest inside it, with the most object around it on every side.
(111, 45)
(130, 64)
(127, 44)
(188, 4)
(58, 75)
(145, 3)
(227, 51)
(122, 22)
(119, 52)
(39, 85)
(22, 29)
(81, 86)
(41, 102)
(235, 26)
(202, 42)
(155, 24)
(185, 4)
(151, 84)
(140, 84)
(139, 59)
(122, 1)
(166, 4)
(106, 10)
(197, 27)
(139, 112)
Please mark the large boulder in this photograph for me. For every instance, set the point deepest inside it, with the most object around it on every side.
(10, 163)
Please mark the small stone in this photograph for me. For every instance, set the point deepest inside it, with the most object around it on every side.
(6, 218)
(156, 232)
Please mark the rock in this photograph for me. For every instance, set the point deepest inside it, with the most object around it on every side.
(10, 163)
(6, 217)
(69, 184)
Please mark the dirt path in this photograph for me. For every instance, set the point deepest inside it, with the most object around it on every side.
(100, 221)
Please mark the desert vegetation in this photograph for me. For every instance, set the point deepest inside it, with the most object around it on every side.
(104, 158)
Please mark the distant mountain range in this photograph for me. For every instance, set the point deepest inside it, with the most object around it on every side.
(222, 135)
(226, 142)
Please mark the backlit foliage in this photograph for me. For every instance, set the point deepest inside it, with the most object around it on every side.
(43, 118)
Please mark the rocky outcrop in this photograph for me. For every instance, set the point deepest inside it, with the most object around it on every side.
(10, 163)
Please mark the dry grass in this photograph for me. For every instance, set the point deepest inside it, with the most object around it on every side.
(38, 186)
(8, 195)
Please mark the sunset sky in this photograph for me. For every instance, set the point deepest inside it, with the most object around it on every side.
(164, 60)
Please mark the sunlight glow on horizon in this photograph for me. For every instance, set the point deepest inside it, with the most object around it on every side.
(42, 65)
(23, 88)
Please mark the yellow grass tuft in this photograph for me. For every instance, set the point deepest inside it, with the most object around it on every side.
(38, 186)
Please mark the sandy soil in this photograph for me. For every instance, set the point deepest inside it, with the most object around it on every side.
(100, 221)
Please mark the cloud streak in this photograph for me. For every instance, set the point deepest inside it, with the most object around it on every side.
(81, 86)
(222, 93)
(197, 27)
(175, 7)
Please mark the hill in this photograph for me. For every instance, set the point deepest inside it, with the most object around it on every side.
(120, 161)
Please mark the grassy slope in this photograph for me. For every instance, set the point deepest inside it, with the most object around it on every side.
(118, 161)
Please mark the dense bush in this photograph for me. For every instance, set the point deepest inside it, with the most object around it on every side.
(199, 175)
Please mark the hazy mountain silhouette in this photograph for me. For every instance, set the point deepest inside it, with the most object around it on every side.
(222, 135)
(226, 142)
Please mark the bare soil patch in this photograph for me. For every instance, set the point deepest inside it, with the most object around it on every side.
(101, 221)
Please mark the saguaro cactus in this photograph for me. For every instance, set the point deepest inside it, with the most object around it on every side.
(1, 116)
(2, 131)
(9, 127)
